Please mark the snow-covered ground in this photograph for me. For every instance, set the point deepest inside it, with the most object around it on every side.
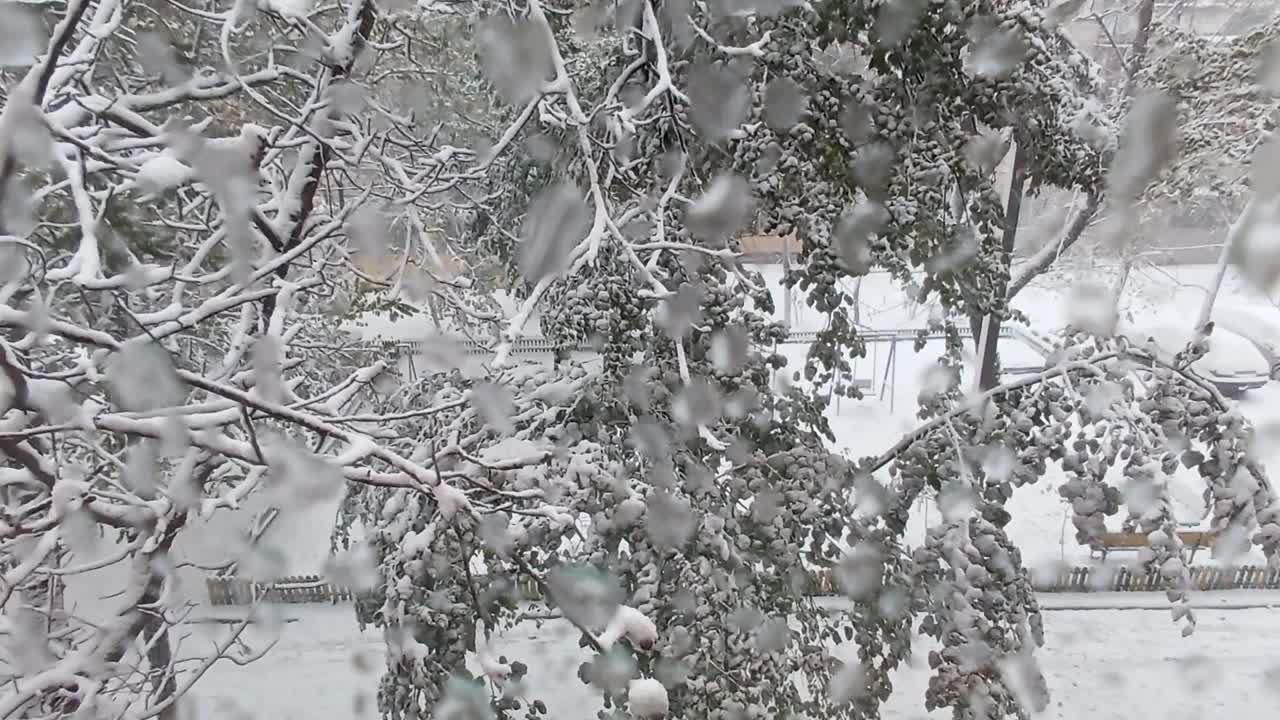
(1099, 664)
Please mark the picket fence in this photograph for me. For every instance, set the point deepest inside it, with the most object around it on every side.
(316, 589)
(1111, 579)
(293, 589)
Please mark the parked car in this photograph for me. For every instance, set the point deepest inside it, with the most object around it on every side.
(1232, 363)
(1018, 358)
(1258, 325)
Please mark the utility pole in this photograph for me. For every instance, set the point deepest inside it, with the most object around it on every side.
(786, 287)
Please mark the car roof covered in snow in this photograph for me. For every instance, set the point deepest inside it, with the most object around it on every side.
(1228, 354)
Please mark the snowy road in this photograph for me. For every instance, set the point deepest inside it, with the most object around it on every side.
(1100, 665)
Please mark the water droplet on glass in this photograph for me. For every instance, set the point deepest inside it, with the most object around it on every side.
(494, 533)
(998, 463)
(1023, 678)
(960, 250)
(649, 438)
(860, 572)
(1148, 144)
(679, 313)
(157, 56)
(27, 135)
(585, 595)
(1092, 308)
(261, 562)
(722, 210)
(896, 19)
(140, 470)
(937, 380)
(1063, 12)
(557, 221)
(355, 569)
(857, 123)
(464, 699)
(996, 52)
(143, 378)
(773, 636)
(697, 403)
(346, 97)
(719, 101)
(299, 478)
(1269, 69)
(515, 57)
(984, 152)
(847, 684)
(729, 348)
(268, 367)
(1256, 250)
(496, 405)
(18, 210)
(843, 60)
(611, 671)
(873, 168)
(853, 235)
(957, 501)
(668, 520)
(784, 104)
(22, 35)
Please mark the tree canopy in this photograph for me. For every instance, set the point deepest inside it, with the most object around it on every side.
(196, 199)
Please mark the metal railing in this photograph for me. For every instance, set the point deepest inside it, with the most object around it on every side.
(540, 345)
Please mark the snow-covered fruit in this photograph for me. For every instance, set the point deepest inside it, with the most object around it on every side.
(631, 624)
(647, 699)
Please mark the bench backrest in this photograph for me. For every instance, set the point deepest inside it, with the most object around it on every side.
(1194, 538)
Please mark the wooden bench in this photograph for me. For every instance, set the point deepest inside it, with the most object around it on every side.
(1194, 539)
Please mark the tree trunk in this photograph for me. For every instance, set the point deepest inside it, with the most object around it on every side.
(1238, 227)
(1122, 279)
(857, 302)
(1041, 261)
(1046, 256)
(1141, 39)
(1080, 221)
(986, 328)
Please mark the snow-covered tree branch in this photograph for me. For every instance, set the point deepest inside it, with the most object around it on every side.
(196, 200)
